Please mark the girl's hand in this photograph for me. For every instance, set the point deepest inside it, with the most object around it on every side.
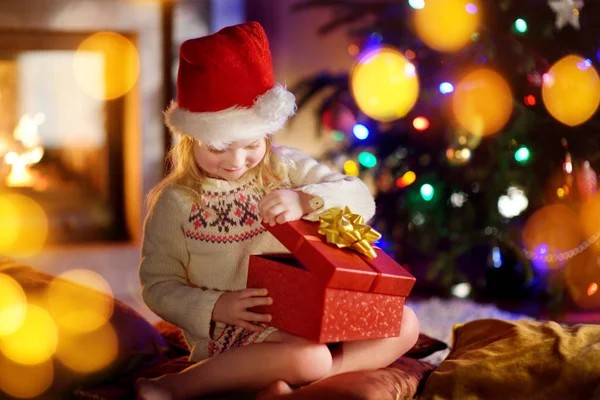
(284, 205)
(232, 308)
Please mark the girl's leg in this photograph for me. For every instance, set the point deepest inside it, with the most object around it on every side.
(376, 353)
(250, 367)
(357, 355)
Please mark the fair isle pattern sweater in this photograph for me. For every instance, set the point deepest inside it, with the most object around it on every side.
(191, 254)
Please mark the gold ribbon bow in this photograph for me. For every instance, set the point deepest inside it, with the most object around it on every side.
(344, 229)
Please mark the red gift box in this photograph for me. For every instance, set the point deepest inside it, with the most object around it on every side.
(328, 294)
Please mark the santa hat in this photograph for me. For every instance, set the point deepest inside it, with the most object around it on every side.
(226, 90)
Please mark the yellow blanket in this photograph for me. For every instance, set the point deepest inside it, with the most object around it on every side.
(493, 359)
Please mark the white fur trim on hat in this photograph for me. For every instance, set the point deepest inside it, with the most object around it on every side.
(217, 129)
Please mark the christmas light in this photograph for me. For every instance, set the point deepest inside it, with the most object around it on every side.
(592, 289)
(458, 199)
(446, 87)
(350, 168)
(406, 180)
(585, 64)
(360, 131)
(513, 204)
(427, 192)
(521, 25)
(461, 290)
(367, 159)
(337, 136)
(530, 100)
(416, 4)
(421, 123)
(522, 155)
(496, 257)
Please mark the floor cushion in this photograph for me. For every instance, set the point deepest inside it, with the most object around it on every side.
(496, 359)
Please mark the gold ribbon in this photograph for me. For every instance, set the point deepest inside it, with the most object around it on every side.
(345, 229)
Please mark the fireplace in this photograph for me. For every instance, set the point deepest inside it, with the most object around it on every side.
(62, 144)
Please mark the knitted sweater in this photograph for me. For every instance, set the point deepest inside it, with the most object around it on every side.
(192, 254)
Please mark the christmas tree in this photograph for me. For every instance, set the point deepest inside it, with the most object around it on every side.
(475, 124)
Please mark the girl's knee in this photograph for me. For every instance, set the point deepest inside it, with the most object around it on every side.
(311, 362)
(409, 333)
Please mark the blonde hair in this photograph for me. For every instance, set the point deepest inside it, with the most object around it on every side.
(185, 172)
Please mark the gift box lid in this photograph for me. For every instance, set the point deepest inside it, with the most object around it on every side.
(342, 268)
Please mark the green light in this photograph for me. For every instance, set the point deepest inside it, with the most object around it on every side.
(427, 192)
(367, 159)
(522, 155)
(338, 136)
(521, 25)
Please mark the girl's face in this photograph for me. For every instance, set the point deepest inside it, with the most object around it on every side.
(232, 162)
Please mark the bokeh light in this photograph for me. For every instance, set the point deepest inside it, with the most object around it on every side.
(350, 168)
(24, 226)
(360, 131)
(416, 4)
(521, 25)
(88, 352)
(482, 102)
(35, 341)
(571, 90)
(25, 381)
(522, 155)
(592, 289)
(384, 84)
(530, 100)
(120, 61)
(447, 25)
(446, 87)
(77, 308)
(589, 216)
(406, 180)
(366, 159)
(427, 192)
(555, 228)
(421, 123)
(13, 305)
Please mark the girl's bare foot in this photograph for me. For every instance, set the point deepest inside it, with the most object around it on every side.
(150, 389)
(275, 390)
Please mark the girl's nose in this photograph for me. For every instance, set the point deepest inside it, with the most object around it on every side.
(237, 158)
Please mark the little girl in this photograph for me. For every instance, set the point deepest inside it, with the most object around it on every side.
(205, 221)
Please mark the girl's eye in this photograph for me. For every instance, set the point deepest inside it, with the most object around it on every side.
(215, 151)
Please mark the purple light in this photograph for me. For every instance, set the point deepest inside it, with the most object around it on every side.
(585, 64)
(471, 8)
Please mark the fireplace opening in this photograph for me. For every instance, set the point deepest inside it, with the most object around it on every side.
(59, 145)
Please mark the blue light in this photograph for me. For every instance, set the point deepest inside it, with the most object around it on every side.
(360, 131)
(496, 257)
(446, 87)
(539, 262)
(376, 37)
(416, 4)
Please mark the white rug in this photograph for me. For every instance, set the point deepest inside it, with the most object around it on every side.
(437, 317)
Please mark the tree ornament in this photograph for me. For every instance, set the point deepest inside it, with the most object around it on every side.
(587, 181)
(567, 12)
